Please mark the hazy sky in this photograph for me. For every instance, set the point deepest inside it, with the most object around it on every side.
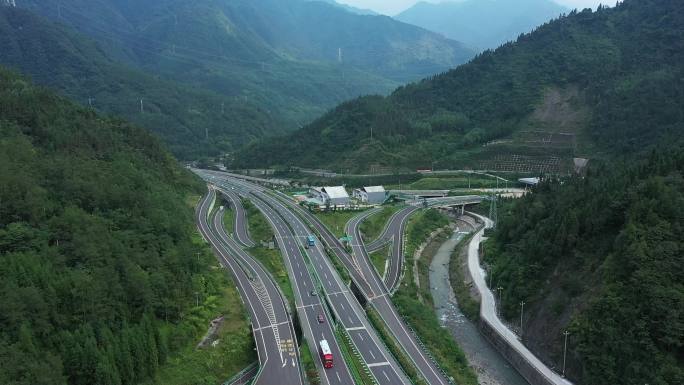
(392, 7)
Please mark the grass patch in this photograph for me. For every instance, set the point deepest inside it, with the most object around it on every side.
(336, 220)
(211, 365)
(379, 259)
(308, 364)
(259, 228)
(450, 183)
(420, 226)
(372, 227)
(468, 305)
(229, 221)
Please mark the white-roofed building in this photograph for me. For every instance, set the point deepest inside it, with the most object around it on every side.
(332, 195)
(374, 195)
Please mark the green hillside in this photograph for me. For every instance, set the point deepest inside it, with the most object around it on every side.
(580, 86)
(601, 257)
(263, 66)
(81, 69)
(97, 264)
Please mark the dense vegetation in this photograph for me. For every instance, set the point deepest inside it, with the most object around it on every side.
(97, 263)
(622, 64)
(240, 68)
(602, 256)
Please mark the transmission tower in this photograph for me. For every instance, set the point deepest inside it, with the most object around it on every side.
(10, 3)
(493, 211)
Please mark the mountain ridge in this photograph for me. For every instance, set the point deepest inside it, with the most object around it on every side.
(482, 114)
(464, 20)
(252, 58)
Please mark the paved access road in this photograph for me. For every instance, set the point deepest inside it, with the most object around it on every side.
(394, 233)
(271, 324)
(488, 311)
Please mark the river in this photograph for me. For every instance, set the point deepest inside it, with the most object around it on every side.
(491, 367)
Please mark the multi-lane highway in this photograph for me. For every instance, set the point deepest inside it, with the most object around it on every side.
(374, 290)
(394, 233)
(367, 280)
(346, 309)
(271, 324)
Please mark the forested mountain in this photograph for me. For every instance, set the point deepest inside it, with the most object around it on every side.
(60, 58)
(268, 37)
(604, 82)
(482, 24)
(602, 257)
(264, 66)
(95, 244)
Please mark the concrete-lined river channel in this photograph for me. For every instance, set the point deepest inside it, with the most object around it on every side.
(491, 367)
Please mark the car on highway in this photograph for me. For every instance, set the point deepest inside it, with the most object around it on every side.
(313, 293)
(321, 319)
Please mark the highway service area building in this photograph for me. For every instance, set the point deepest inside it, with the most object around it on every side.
(373, 195)
(332, 195)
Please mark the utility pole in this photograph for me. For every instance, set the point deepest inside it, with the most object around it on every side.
(339, 55)
(522, 308)
(223, 108)
(565, 350)
(142, 107)
(493, 211)
(499, 289)
(197, 297)
(206, 133)
(371, 132)
(90, 102)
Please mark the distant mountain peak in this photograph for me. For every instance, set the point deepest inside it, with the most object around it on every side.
(482, 24)
(358, 11)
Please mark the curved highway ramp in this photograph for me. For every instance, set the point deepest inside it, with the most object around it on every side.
(271, 324)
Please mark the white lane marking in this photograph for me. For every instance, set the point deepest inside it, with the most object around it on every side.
(356, 328)
(272, 325)
(378, 364)
(338, 377)
(386, 376)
